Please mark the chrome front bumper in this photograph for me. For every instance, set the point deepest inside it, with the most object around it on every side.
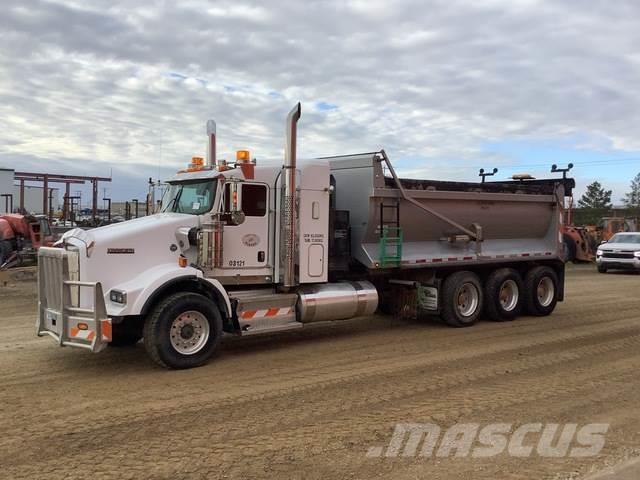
(61, 313)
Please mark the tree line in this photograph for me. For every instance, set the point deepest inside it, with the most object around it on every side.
(597, 197)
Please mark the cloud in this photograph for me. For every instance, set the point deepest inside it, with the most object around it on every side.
(103, 84)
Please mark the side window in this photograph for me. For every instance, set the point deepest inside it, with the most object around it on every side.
(227, 198)
(44, 227)
(254, 200)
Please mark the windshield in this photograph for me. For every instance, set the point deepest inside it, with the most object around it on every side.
(625, 239)
(194, 197)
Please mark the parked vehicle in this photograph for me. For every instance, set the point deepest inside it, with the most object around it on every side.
(247, 249)
(21, 236)
(621, 252)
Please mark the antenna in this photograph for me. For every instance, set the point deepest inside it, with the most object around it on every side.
(483, 174)
(555, 169)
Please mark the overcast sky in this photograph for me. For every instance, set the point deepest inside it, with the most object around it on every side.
(446, 87)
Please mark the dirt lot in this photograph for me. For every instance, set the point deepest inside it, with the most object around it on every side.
(310, 404)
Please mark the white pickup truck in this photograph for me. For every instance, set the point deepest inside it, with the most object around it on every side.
(621, 252)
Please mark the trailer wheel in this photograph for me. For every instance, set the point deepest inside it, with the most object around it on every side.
(541, 291)
(461, 299)
(183, 331)
(503, 295)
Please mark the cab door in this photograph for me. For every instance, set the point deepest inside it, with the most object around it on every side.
(246, 245)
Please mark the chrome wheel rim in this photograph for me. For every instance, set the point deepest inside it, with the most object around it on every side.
(468, 300)
(509, 295)
(546, 291)
(189, 332)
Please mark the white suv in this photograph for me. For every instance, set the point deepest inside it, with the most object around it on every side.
(622, 251)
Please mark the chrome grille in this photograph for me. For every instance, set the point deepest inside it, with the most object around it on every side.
(626, 255)
(51, 274)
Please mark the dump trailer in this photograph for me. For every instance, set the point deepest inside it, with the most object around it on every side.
(245, 249)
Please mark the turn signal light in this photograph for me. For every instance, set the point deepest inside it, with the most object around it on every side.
(182, 261)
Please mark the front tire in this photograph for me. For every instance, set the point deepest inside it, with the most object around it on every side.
(503, 292)
(461, 299)
(183, 331)
(541, 291)
(602, 269)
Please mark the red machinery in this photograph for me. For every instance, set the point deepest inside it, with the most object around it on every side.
(21, 236)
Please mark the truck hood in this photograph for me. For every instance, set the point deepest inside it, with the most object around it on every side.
(133, 230)
(121, 251)
(627, 247)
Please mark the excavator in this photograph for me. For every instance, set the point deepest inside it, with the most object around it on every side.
(21, 236)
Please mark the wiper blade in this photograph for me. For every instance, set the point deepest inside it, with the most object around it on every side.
(173, 202)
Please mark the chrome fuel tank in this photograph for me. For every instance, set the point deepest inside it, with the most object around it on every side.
(336, 301)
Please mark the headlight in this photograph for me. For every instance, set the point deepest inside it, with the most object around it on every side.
(118, 296)
(636, 254)
(599, 253)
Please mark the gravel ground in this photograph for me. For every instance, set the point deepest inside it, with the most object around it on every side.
(310, 403)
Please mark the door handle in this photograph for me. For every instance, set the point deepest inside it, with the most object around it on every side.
(261, 256)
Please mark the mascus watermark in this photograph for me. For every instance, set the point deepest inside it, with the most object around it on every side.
(472, 439)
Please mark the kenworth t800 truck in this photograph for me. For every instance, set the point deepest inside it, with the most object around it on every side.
(246, 249)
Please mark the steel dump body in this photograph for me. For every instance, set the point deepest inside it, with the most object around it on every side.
(514, 221)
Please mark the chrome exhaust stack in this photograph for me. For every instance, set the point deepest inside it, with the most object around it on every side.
(211, 143)
(289, 214)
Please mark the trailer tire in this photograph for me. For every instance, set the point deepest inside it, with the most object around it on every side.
(541, 291)
(503, 292)
(183, 331)
(462, 299)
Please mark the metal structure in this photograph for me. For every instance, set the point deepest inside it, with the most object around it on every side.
(47, 178)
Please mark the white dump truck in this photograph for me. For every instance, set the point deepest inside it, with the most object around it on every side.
(247, 249)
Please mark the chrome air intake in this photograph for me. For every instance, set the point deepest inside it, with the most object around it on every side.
(211, 143)
(289, 214)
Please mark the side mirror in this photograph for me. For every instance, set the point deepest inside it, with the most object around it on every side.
(235, 215)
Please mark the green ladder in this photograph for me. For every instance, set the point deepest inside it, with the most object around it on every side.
(390, 237)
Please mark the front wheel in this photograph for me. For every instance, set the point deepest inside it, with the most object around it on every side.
(461, 299)
(602, 269)
(183, 331)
